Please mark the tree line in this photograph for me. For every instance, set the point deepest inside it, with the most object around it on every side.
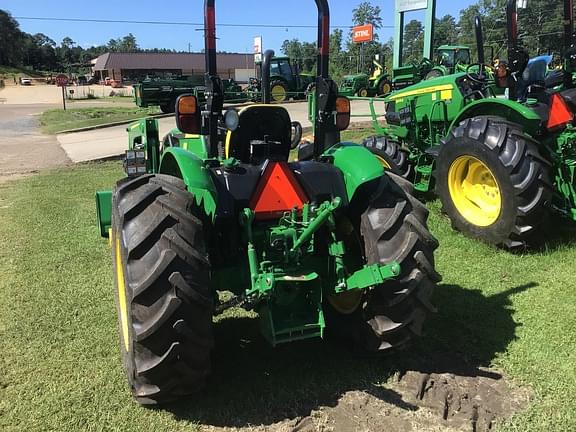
(540, 30)
(41, 53)
(540, 26)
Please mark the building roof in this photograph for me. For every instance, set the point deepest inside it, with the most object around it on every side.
(164, 61)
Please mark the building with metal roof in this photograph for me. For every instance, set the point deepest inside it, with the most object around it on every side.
(136, 66)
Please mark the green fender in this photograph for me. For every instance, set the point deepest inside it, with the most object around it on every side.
(504, 108)
(187, 166)
(357, 163)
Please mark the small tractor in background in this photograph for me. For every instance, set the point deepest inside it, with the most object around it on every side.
(450, 59)
(499, 166)
(330, 244)
(380, 83)
(164, 92)
(286, 81)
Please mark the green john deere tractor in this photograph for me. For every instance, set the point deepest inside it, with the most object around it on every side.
(330, 244)
(498, 165)
(380, 83)
(286, 81)
(450, 59)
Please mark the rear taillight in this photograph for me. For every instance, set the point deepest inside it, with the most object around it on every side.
(559, 114)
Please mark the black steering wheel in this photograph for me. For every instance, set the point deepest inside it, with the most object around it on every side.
(477, 77)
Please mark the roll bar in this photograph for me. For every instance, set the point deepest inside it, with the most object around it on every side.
(326, 132)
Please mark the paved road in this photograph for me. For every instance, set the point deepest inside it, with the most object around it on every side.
(112, 141)
(23, 148)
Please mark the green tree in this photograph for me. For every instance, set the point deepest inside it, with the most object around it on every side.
(128, 44)
(364, 13)
(413, 42)
(445, 31)
(10, 40)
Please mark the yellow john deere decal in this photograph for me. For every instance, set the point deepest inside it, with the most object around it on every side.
(422, 91)
(121, 295)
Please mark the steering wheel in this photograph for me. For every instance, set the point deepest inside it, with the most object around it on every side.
(476, 77)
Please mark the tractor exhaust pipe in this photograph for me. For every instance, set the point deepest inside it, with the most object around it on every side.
(265, 83)
(480, 45)
(512, 24)
(517, 57)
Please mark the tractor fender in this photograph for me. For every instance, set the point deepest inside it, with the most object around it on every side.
(357, 163)
(190, 168)
(512, 111)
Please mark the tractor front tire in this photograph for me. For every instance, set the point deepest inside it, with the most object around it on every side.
(163, 297)
(390, 155)
(384, 88)
(493, 182)
(388, 316)
(279, 91)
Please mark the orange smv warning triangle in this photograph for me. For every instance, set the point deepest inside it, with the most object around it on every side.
(559, 112)
(278, 191)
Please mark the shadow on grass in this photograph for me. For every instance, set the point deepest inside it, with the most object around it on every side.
(556, 232)
(254, 384)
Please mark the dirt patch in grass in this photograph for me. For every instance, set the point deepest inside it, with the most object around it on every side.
(420, 399)
(315, 386)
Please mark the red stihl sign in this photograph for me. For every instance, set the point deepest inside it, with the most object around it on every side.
(363, 33)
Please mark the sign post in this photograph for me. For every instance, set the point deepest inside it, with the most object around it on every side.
(361, 34)
(257, 49)
(403, 6)
(62, 82)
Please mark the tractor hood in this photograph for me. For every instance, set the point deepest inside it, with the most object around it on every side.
(444, 83)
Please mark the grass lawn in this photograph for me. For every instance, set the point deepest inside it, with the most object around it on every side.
(57, 120)
(60, 367)
(12, 71)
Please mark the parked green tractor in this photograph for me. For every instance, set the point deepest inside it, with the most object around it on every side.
(499, 166)
(380, 83)
(450, 59)
(332, 244)
(286, 80)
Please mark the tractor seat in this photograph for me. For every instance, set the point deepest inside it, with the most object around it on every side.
(260, 123)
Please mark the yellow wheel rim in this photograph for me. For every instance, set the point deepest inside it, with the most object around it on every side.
(386, 89)
(123, 304)
(383, 162)
(474, 191)
(278, 93)
(346, 302)
(363, 93)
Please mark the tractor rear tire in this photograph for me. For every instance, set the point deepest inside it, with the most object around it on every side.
(493, 182)
(163, 297)
(278, 91)
(389, 316)
(390, 155)
(168, 108)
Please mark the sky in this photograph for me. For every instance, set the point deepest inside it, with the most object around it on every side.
(183, 37)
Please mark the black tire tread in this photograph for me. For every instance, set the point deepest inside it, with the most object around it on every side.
(167, 282)
(393, 228)
(391, 152)
(527, 169)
